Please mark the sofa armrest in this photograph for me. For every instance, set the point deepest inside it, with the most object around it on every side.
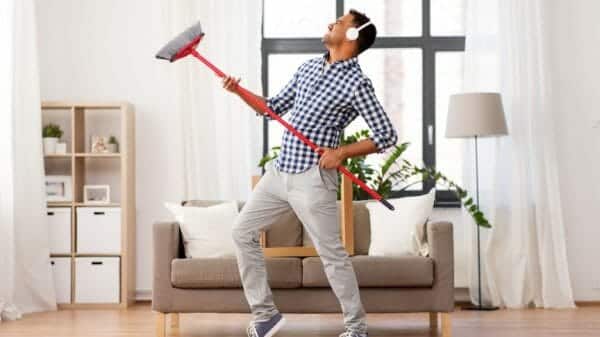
(441, 250)
(165, 246)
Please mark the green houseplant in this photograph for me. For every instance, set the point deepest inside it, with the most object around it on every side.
(51, 133)
(393, 171)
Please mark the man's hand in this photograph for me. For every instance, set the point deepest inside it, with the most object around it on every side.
(331, 158)
(230, 83)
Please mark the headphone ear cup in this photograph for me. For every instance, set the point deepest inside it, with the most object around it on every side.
(352, 34)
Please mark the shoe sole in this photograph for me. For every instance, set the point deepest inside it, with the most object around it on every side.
(276, 327)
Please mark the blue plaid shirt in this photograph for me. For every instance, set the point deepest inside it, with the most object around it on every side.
(323, 101)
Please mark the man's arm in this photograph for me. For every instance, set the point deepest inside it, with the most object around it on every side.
(279, 103)
(384, 133)
(258, 103)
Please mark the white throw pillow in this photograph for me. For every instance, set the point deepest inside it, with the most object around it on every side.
(394, 233)
(206, 231)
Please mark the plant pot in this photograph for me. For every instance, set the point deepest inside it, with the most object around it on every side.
(113, 148)
(61, 148)
(50, 145)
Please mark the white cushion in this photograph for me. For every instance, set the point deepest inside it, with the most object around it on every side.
(395, 233)
(206, 231)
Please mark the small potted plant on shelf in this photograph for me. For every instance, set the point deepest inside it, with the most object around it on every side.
(113, 144)
(51, 133)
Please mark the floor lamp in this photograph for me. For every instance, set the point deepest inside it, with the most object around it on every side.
(476, 115)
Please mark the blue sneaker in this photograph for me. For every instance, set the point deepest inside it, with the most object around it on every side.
(266, 328)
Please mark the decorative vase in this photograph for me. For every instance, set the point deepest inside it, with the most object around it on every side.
(50, 145)
(61, 148)
(113, 148)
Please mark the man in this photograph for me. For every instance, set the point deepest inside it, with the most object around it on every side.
(324, 95)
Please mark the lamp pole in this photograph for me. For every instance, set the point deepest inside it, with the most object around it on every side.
(479, 305)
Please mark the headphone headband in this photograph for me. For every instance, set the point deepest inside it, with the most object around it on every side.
(364, 25)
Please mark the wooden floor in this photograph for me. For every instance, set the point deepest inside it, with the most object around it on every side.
(140, 321)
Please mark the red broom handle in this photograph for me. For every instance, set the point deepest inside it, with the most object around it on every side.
(249, 96)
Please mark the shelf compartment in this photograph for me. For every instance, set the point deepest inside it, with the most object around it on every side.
(62, 116)
(58, 165)
(96, 121)
(94, 170)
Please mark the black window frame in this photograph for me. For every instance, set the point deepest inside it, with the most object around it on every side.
(429, 46)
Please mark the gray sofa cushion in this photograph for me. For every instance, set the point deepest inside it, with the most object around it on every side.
(283, 272)
(285, 232)
(375, 271)
(362, 227)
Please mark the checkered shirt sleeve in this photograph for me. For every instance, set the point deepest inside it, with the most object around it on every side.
(366, 104)
(284, 100)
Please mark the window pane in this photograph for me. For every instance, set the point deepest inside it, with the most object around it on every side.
(291, 18)
(391, 17)
(449, 80)
(397, 77)
(281, 69)
(447, 17)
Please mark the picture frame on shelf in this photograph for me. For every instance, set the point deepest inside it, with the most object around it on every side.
(58, 188)
(96, 194)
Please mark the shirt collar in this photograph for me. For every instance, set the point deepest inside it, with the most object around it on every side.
(347, 63)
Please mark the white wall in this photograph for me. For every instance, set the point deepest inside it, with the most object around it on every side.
(104, 50)
(575, 53)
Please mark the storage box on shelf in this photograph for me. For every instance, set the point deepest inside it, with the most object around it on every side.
(98, 230)
(61, 270)
(97, 280)
(59, 223)
(93, 245)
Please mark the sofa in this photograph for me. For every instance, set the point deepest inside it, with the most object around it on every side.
(405, 284)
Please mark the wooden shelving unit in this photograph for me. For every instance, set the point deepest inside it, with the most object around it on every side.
(79, 155)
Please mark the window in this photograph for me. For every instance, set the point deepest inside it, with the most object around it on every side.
(415, 65)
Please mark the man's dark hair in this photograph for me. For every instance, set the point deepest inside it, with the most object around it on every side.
(367, 35)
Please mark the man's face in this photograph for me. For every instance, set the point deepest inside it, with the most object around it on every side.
(336, 31)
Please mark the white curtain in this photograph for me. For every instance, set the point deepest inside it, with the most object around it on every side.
(524, 260)
(220, 136)
(26, 283)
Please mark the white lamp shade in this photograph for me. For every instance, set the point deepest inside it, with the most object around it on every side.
(475, 114)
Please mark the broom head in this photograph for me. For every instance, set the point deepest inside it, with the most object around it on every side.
(182, 44)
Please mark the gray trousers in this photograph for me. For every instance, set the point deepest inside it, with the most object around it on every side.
(312, 195)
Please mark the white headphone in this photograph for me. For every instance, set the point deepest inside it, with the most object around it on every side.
(352, 33)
